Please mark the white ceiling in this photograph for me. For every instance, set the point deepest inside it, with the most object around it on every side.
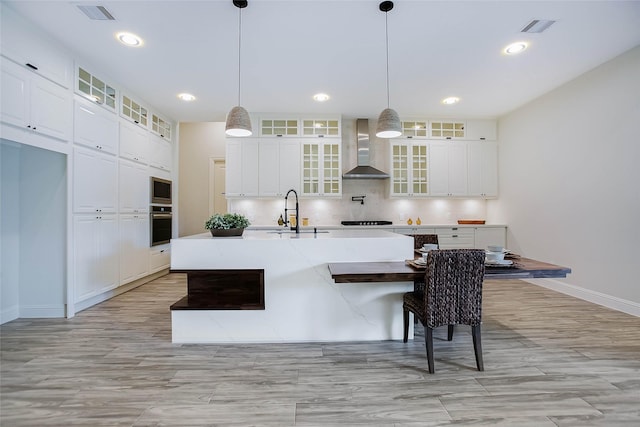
(293, 49)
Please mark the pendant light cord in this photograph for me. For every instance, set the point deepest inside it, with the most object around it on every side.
(386, 35)
(239, 48)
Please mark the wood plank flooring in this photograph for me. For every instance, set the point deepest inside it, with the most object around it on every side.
(550, 360)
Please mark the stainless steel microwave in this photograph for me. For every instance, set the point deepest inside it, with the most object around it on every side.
(160, 191)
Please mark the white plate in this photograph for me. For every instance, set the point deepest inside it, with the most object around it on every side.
(420, 261)
(496, 262)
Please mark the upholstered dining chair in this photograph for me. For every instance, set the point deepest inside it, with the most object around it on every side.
(452, 296)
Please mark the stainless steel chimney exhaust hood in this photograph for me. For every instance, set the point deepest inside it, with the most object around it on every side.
(364, 170)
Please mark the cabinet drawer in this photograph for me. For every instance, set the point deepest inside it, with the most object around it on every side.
(159, 259)
(456, 238)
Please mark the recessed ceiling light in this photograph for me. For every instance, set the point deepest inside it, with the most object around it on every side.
(514, 48)
(451, 100)
(321, 97)
(129, 39)
(186, 97)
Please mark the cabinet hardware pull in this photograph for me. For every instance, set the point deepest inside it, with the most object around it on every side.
(454, 235)
(448, 137)
(454, 228)
(29, 126)
(320, 136)
(31, 66)
(482, 138)
(136, 122)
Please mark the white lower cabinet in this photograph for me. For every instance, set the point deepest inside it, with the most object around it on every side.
(134, 247)
(456, 238)
(95, 254)
(95, 181)
(134, 187)
(159, 258)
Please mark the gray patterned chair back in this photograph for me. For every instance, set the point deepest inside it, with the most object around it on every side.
(421, 239)
(453, 281)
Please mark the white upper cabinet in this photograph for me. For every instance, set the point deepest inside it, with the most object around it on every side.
(279, 166)
(448, 169)
(35, 104)
(95, 178)
(160, 153)
(134, 187)
(447, 129)
(481, 130)
(281, 126)
(415, 129)
(409, 169)
(329, 128)
(132, 110)
(161, 127)
(321, 169)
(242, 167)
(24, 44)
(133, 142)
(483, 168)
(95, 89)
(94, 127)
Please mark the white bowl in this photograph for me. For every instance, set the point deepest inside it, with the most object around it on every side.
(495, 256)
(429, 247)
(495, 248)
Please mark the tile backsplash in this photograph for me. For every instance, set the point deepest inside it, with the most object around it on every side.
(377, 206)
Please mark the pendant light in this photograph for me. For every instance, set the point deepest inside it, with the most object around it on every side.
(388, 122)
(238, 120)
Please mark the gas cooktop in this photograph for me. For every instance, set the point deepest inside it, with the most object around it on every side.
(372, 222)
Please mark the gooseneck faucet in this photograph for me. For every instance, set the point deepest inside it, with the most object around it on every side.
(286, 208)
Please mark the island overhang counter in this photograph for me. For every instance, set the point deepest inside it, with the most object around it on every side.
(302, 303)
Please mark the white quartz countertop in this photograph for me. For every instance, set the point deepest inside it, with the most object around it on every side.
(305, 234)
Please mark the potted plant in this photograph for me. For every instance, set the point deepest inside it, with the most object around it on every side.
(229, 224)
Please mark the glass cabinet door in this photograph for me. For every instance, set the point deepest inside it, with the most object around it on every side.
(419, 169)
(400, 173)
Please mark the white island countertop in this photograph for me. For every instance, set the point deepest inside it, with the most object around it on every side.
(302, 302)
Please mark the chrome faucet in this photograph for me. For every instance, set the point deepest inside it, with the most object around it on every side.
(286, 217)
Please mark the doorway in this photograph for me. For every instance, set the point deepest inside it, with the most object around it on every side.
(217, 185)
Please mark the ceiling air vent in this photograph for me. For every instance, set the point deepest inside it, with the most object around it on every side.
(97, 13)
(537, 26)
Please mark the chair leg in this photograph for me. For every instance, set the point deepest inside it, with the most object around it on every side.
(406, 325)
(428, 339)
(450, 332)
(477, 346)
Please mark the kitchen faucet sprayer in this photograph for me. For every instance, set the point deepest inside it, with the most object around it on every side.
(286, 208)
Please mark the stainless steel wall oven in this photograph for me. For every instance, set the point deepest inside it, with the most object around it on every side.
(161, 220)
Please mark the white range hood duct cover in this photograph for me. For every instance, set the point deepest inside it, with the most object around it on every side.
(364, 170)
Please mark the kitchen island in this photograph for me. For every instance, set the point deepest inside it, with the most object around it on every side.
(301, 302)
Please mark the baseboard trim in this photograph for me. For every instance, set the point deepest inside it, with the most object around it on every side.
(8, 314)
(599, 298)
(41, 311)
(97, 299)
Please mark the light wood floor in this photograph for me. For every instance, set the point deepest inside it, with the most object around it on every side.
(550, 360)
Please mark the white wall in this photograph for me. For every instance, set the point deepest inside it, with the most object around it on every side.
(34, 251)
(569, 166)
(198, 143)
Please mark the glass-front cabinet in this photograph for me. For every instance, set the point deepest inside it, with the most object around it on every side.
(279, 127)
(314, 127)
(134, 111)
(414, 129)
(96, 89)
(409, 175)
(160, 127)
(321, 169)
(447, 129)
